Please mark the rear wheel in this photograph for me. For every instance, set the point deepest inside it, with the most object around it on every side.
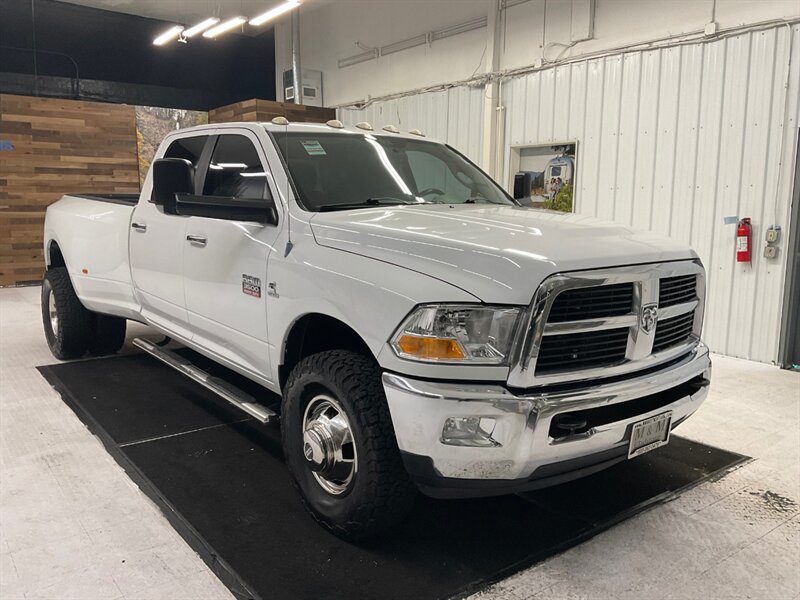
(108, 334)
(72, 330)
(340, 445)
(67, 323)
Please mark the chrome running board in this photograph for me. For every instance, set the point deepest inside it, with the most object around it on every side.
(221, 388)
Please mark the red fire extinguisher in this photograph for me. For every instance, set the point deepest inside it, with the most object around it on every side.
(744, 234)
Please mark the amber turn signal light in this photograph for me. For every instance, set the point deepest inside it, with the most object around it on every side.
(429, 347)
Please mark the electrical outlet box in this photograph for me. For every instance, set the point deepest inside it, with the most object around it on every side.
(773, 234)
(711, 28)
(770, 252)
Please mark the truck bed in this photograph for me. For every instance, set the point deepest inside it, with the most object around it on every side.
(91, 231)
(129, 199)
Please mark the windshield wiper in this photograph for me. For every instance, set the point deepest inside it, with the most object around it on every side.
(378, 201)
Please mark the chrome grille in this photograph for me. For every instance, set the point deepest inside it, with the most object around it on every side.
(604, 323)
(676, 290)
(673, 331)
(592, 302)
(581, 350)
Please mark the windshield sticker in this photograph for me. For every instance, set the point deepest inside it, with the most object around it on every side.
(313, 148)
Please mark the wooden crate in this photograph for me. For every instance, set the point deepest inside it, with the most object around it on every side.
(266, 110)
(59, 147)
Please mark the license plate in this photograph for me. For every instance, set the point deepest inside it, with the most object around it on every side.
(650, 434)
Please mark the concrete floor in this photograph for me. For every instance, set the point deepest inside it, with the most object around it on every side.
(72, 525)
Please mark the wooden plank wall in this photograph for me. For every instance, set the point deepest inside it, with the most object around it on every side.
(59, 147)
(266, 110)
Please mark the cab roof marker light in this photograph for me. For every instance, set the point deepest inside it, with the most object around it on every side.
(391, 129)
(225, 26)
(416, 132)
(280, 121)
(171, 34)
(275, 12)
(200, 27)
(364, 125)
(335, 123)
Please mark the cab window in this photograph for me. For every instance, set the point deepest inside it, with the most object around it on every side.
(235, 170)
(189, 148)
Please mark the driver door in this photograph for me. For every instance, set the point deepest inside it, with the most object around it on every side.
(225, 261)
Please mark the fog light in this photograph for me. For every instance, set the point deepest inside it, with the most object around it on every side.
(469, 431)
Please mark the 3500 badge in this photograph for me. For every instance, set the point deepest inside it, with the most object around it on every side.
(251, 286)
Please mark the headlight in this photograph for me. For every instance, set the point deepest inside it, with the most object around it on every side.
(457, 334)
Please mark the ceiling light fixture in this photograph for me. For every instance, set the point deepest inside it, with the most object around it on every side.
(277, 11)
(200, 27)
(169, 35)
(225, 26)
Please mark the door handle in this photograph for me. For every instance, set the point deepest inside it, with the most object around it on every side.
(139, 227)
(198, 240)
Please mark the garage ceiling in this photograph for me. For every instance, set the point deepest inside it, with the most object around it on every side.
(187, 12)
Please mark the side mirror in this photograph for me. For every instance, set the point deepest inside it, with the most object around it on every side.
(171, 176)
(522, 185)
(230, 209)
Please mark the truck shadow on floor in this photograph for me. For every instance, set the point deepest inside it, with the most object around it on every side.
(220, 479)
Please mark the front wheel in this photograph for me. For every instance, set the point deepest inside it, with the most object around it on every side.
(340, 445)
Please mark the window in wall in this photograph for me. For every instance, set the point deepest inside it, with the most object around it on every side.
(551, 170)
(235, 170)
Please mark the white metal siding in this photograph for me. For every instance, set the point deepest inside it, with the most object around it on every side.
(453, 116)
(671, 140)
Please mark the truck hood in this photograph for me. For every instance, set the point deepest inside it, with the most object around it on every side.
(500, 254)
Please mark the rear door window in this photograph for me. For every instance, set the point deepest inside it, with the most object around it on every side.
(236, 170)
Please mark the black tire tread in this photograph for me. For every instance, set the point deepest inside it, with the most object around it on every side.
(108, 334)
(75, 321)
(393, 492)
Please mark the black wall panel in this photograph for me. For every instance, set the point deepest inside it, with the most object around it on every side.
(114, 47)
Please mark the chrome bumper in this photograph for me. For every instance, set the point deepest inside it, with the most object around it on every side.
(522, 424)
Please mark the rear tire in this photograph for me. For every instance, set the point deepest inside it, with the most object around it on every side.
(108, 334)
(67, 323)
(342, 391)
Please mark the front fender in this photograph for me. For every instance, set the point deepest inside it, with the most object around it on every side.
(370, 296)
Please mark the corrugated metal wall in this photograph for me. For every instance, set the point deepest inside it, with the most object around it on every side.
(672, 140)
(453, 116)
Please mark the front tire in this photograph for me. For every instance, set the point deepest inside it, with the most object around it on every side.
(340, 445)
(67, 323)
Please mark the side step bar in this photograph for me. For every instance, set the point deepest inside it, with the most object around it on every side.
(222, 388)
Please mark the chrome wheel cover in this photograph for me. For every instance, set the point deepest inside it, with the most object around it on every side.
(53, 312)
(328, 444)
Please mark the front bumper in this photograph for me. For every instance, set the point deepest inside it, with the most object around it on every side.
(532, 452)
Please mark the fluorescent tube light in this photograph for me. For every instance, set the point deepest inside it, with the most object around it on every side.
(275, 12)
(168, 36)
(200, 27)
(225, 26)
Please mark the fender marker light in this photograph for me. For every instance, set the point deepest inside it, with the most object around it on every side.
(168, 35)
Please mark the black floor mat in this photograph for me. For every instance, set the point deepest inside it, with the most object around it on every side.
(220, 479)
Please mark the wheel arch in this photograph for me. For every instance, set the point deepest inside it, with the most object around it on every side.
(53, 256)
(317, 332)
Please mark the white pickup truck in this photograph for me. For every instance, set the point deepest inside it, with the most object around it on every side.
(425, 331)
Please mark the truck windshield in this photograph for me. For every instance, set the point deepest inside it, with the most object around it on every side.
(339, 171)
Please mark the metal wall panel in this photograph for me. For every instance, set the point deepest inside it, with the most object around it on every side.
(670, 140)
(674, 140)
(454, 116)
